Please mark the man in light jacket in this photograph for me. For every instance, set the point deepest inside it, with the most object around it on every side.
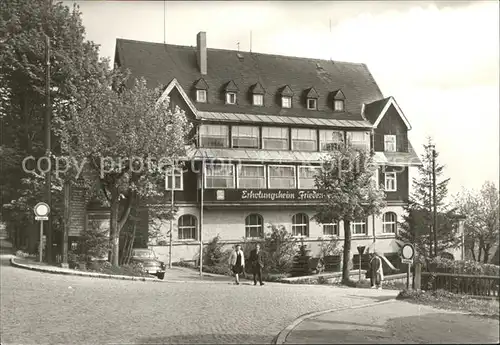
(237, 263)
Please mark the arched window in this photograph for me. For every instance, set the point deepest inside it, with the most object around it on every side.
(254, 226)
(187, 227)
(300, 225)
(389, 223)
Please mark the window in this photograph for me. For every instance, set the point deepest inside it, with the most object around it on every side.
(275, 138)
(251, 176)
(201, 96)
(390, 182)
(177, 178)
(245, 136)
(300, 225)
(286, 102)
(312, 104)
(358, 227)
(281, 177)
(389, 222)
(330, 139)
(187, 227)
(306, 177)
(338, 105)
(258, 100)
(304, 139)
(219, 176)
(230, 98)
(254, 226)
(360, 140)
(214, 136)
(390, 143)
(331, 229)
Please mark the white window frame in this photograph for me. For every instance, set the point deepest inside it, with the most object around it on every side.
(315, 104)
(336, 229)
(305, 167)
(258, 96)
(353, 143)
(288, 138)
(260, 227)
(322, 142)
(177, 172)
(394, 223)
(281, 166)
(359, 223)
(199, 98)
(297, 130)
(228, 97)
(235, 136)
(284, 104)
(336, 102)
(238, 169)
(389, 143)
(301, 225)
(212, 164)
(387, 178)
(227, 143)
(179, 228)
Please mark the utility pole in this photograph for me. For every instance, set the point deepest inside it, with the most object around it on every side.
(434, 199)
(48, 177)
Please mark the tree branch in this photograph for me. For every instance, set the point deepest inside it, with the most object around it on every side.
(126, 212)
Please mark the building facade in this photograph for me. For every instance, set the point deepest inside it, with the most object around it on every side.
(261, 126)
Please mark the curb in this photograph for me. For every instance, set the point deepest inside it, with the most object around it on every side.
(281, 337)
(82, 274)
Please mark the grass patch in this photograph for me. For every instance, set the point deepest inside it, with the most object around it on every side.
(446, 300)
(105, 267)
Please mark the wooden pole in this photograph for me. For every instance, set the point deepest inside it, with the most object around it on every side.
(418, 276)
(40, 247)
(359, 277)
(408, 277)
(67, 193)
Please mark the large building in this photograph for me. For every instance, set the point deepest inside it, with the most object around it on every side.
(262, 125)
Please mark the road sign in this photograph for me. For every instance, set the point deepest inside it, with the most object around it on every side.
(407, 261)
(408, 251)
(41, 209)
(41, 218)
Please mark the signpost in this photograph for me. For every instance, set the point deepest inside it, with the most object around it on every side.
(407, 255)
(42, 211)
(361, 250)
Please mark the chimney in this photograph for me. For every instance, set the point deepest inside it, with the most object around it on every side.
(201, 45)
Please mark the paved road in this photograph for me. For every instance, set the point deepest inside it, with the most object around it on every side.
(395, 322)
(47, 308)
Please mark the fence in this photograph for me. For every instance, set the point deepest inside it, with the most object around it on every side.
(476, 285)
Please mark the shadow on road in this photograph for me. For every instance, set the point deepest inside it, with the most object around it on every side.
(374, 298)
(207, 339)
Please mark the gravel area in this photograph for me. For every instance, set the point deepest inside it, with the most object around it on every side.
(41, 308)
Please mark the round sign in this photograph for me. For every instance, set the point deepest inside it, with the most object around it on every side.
(42, 209)
(407, 252)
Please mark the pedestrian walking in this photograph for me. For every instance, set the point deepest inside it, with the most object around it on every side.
(376, 271)
(256, 264)
(237, 263)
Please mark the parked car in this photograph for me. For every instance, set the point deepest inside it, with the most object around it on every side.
(149, 261)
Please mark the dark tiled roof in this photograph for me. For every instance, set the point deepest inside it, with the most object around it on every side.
(160, 64)
(372, 110)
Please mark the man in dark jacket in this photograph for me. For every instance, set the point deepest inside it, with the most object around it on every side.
(256, 263)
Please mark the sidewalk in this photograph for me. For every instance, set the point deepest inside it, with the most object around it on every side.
(394, 322)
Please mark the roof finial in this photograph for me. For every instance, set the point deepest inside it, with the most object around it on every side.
(238, 44)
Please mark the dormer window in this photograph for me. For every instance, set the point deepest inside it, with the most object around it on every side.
(201, 96)
(258, 100)
(286, 97)
(231, 89)
(312, 99)
(338, 101)
(201, 88)
(338, 105)
(286, 102)
(230, 98)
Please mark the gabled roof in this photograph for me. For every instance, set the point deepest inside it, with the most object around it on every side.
(201, 84)
(338, 95)
(231, 87)
(175, 84)
(286, 91)
(375, 111)
(258, 89)
(160, 63)
(311, 93)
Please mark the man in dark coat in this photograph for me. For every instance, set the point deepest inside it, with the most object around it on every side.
(256, 263)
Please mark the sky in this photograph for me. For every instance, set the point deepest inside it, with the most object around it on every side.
(438, 59)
